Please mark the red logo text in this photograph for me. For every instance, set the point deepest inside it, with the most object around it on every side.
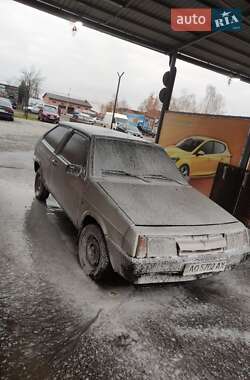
(191, 19)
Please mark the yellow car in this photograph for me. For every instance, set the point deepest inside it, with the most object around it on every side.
(199, 156)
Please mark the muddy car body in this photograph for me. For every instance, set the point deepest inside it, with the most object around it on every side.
(134, 211)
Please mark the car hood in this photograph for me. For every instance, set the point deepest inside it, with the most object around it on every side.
(174, 151)
(164, 204)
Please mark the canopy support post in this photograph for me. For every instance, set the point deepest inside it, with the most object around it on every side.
(246, 154)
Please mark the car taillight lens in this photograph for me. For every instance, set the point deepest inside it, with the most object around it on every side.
(8, 109)
(142, 247)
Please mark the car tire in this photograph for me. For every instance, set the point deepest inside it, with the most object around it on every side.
(93, 254)
(185, 170)
(41, 193)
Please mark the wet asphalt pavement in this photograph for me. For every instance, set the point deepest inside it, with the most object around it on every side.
(58, 324)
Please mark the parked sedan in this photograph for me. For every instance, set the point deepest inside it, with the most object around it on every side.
(80, 117)
(49, 113)
(135, 212)
(6, 109)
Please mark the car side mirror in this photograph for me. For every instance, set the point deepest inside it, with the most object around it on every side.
(200, 153)
(76, 170)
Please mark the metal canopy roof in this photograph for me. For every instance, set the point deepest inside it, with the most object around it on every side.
(147, 23)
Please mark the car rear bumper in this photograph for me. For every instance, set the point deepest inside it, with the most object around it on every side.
(168, 269)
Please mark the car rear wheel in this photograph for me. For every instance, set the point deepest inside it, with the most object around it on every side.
(41, 192)
(93, 253)
(184, 169)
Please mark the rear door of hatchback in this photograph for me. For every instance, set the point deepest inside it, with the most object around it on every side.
(45, 153)
(69, 174)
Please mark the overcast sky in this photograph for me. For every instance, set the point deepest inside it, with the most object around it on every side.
(86, 65)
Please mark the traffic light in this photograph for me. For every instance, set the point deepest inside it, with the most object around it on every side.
(168, 81)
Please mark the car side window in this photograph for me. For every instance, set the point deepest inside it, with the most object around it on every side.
(76, 150)
(208, 147)
(219, 147)
(55, 136)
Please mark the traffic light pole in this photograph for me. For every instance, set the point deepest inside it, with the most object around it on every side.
(166, 93)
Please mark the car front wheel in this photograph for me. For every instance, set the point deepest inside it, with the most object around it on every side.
(41, 192)
(184, 169)
(93, 253)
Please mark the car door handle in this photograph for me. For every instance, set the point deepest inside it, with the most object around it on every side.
(54, 161)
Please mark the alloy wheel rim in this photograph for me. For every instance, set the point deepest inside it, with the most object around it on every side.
(184, 171)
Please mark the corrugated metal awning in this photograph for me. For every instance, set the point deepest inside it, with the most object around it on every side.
(147, 23)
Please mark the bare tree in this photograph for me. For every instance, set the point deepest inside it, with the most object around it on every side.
(151, 105)
(109, 106)
(122, 104)
(184, 103)
(213, 102)
(30, 86)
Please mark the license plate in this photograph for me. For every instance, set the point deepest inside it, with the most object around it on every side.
(199, 268)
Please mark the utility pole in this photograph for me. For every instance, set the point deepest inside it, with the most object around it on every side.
(116, 97)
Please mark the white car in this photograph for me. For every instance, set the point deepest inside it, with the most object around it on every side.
(120, 121)
(134, 131)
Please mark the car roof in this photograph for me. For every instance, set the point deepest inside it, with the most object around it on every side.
(205, 138)
(97, 131)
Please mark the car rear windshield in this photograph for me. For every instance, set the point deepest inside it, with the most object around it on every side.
(5, 102)
(189, 144)
(139, 159)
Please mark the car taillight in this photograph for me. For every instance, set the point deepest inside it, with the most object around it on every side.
(142, 247)
(8, 109)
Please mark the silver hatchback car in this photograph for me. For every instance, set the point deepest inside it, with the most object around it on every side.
(135, 212)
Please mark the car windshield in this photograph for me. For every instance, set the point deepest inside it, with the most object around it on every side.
(5, 102)
(113, 156)
(50, 109)
(189, 144)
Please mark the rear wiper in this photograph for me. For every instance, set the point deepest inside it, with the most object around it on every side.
(123, 172)
(160, 176)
